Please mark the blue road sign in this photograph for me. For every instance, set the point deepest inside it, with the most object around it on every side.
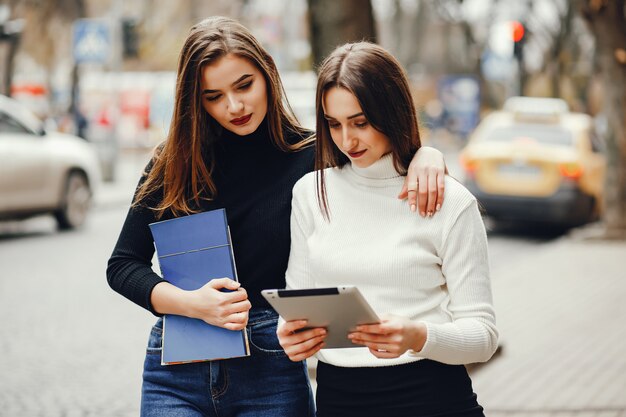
(460, 97)
(92, 41)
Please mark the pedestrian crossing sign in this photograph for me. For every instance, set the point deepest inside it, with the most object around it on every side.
(92, 41)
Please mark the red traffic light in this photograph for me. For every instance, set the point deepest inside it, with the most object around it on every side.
(517, 31)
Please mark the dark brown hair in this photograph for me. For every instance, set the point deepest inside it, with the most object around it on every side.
(179, 166)
(380, 85)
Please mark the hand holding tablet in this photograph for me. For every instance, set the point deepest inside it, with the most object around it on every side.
(339, 310)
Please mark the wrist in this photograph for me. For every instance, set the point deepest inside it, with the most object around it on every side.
(169, 299)
(188, 302)
(420, 334)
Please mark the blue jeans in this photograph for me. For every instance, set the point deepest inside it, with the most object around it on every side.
(265, 384)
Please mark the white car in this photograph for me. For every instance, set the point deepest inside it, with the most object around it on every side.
(43, 172)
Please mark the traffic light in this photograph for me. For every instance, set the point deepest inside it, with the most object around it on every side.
(518, 35)
(130, 38)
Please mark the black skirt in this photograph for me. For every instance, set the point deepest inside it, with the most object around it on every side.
(419, 389)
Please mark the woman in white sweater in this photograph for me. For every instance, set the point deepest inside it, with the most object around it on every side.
(427, 278)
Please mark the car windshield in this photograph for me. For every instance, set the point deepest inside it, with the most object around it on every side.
(551, 135)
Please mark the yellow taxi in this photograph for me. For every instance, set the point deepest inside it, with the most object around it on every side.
(536, 161)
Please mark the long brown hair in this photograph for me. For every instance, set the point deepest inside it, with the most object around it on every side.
(180, 168)
(380, 85)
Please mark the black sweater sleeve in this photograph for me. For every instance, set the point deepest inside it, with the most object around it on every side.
(129, 271)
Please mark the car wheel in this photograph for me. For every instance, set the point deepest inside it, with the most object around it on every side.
(76, 202)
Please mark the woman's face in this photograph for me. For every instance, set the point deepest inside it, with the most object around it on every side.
(351, 131)
(234, 93)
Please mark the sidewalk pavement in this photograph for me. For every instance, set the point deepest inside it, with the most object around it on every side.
(561, 313)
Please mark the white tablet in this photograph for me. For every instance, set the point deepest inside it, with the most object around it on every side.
(338, 309)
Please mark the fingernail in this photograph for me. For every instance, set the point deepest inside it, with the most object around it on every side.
(413, 208)
(423, 214)
(438, 207)
(430, 214)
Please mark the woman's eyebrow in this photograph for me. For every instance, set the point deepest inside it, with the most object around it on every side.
(349, 117)
(240, 79)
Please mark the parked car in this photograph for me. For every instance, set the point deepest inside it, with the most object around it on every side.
(536, 161)
(43, 172)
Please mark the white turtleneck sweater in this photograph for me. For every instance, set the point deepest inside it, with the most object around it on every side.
(434, 269)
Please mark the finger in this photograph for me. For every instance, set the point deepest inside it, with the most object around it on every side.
(410, 183)
(235, 326)
(301, 338)
(412, 200)
(411, 178)
(440, 191)
(363, 338)
(380, 329)
(305, 345)
(237, 318)
(235, 296)
(227, 283)
(404, 190)
(383, 347)
(432, 193)
(236, 321)
(290, 327)
(422, 191)
(383, 354)
(305, 355)
(296, 344)
(241, 306)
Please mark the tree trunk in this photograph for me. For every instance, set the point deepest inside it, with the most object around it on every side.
(335, 22)
(608, 24)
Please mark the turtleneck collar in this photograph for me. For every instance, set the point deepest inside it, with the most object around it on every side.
(259, 138)
(380, 174)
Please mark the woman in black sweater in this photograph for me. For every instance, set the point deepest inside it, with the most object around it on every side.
(232, 144)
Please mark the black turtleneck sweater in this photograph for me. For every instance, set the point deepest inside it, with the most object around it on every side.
(254, 180)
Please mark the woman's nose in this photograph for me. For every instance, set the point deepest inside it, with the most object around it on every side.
(235, 105)
(348, 138)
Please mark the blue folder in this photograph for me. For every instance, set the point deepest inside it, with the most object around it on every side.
(193, 250)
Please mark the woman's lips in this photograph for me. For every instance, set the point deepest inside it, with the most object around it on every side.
(356, 154)
(241, 120)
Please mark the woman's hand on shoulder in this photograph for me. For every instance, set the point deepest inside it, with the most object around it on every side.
(424, 182)
(227, 309)
(392, 337)
(300, 344)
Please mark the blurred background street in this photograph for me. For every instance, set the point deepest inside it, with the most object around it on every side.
(69, 346)
(524, 98)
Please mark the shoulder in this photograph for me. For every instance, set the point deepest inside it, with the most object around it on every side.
(457, 192)
(305, 185)
(457, 199)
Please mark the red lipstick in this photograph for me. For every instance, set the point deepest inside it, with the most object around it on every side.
(241, 120)
(356, 154)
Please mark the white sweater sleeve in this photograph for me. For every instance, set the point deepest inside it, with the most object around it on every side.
(298, 271)
(472, 335)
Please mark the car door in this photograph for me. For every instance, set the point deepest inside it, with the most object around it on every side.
(24, 164)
